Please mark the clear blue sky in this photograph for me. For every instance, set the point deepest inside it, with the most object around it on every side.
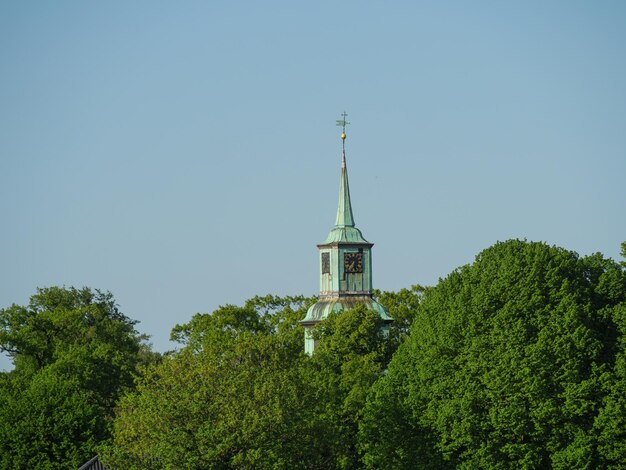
(184, 155)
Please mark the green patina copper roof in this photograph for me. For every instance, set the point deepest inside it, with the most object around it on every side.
(344, 208)
(344, 230)
(344, 234)
(324, 307)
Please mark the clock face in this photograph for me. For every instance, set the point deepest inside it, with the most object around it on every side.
(325, 263)
(353, 262)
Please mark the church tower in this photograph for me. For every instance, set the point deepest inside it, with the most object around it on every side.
(345, 260)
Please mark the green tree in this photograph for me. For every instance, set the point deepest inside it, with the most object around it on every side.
(233, 397)
(241, 393)
(352, 354)
(514, 361)
(74, 353)
(47, 422)
(402, 306)
(389, 435)
(610, 425)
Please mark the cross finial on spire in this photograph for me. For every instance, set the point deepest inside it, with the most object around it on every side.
(343, 123)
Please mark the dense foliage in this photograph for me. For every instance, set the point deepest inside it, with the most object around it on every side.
(515, 361)
(230, 397)
(74, 355)
(241, 393)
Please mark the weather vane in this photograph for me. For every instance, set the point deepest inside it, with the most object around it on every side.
(343, 123)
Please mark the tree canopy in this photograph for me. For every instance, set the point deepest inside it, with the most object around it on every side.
(74, 354)
(515, 361)
(231, 397)
(241, 393)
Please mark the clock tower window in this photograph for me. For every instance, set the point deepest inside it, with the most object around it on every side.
(325, 263)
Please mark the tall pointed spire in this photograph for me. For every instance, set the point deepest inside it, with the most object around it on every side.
(344, 208)
(345, 265)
